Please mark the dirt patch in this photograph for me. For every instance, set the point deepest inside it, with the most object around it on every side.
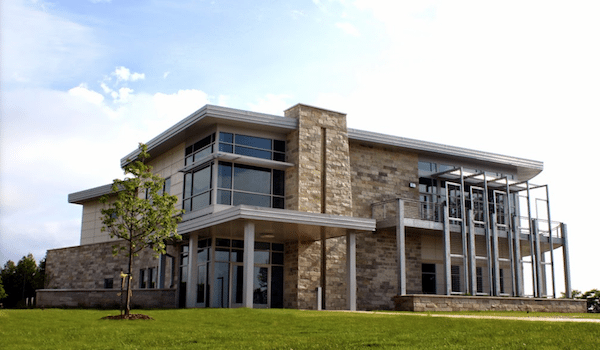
(128, 317)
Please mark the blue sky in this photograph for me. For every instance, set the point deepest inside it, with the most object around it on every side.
(82, 82)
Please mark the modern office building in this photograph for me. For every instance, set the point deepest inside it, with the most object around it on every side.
(302, 212)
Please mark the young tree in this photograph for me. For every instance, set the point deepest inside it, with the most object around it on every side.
(139, 212)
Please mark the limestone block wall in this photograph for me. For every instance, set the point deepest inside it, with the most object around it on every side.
(104, 298)
(376, 270)
(336, 275)
(422, 303)
(87, 266)
(319, 183)
(320, 150)
(380, 174)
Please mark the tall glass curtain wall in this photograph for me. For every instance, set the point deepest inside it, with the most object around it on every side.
(220, 273)
(236, 183)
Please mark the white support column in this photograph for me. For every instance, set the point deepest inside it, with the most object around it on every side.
(192, 282)
(351, 261)
(567, 265)
(518, 264)
(248, 284)
(537, 260)
(447, 257)
(496, 258)
(401, 249)
(472, 254)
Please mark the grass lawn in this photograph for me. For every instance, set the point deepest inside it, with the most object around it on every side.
(281, 329)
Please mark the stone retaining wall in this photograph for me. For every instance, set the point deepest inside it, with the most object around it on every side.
(469, 303)
(105, 298)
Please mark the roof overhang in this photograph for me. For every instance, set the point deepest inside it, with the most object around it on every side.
(211, 115)
(525, 168)
(285, 225)
(90, 194)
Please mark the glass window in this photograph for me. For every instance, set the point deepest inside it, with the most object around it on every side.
(455, 277)
(199, 149)
(261, 257)
(255, 142)
(252, 152)
(257, 200)
(197, 185)
(278, 182)
(252, 179)
(426, 166)
(262, 245)
(224, 197)
(252, 146)
(279, 146)
(201, 181)
(224, 175)
(225, 137)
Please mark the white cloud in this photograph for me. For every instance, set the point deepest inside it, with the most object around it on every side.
(124, 74)
(271, 104)
(348, 28)
(29, 33)
(88, 95)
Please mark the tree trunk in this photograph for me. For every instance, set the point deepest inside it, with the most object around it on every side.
(129, 278)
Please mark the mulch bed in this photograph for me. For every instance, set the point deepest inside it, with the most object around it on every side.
(130, 317)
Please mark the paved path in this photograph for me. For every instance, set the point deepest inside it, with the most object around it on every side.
(532, 318)
(490, 317)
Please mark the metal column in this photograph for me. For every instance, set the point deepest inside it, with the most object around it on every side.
(488, 238)
(472, 255)
(551, 243)
(401, 249)
(518, 262)
(563, 228)
(538, 260)
(248, 267)
(463, 230)
(531, 244)
(351, 268)
(192, 282)
(496, 260)
(447, 258)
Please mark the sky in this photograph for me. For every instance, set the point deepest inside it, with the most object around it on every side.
(82, 82)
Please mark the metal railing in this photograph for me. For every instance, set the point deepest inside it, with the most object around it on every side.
(413, 209)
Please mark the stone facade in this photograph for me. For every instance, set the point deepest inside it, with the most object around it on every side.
(379, 174)
(105, 298)
(88, 266)
(468, 303)
(319, 183)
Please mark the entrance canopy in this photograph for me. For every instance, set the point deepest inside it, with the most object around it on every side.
(281, 224)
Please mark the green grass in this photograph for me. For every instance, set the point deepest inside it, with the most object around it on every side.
(281, 329)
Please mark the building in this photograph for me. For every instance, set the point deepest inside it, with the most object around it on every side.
(301, 212)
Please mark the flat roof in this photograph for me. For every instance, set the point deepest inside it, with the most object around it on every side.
(209, 115)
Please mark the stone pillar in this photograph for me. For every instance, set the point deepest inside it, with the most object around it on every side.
(319, 183)
(248, 284)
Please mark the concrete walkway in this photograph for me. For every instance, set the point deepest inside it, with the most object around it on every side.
(489, 317)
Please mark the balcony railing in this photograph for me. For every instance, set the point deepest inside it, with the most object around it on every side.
(430, 211)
